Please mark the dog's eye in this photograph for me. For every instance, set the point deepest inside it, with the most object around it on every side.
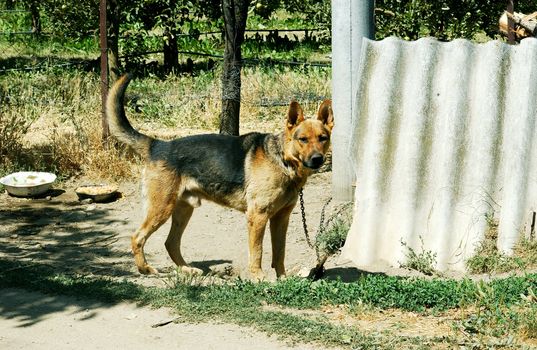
(323, 138)
(303, 139)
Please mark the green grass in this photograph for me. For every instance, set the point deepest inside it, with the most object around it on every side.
(500, 308)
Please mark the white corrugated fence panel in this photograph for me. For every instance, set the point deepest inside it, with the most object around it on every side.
(444, 135)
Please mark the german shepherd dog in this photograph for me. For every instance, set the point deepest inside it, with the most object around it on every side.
(257, 174)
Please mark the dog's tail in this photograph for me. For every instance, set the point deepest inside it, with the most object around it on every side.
(118, 123)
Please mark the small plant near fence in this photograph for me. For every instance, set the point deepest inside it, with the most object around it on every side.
(488, 259)
(423, 261)
(333, 234)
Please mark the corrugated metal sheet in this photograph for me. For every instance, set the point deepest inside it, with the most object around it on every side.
(444, 136)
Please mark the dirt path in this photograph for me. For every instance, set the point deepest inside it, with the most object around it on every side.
(94, 239)
(32, 320)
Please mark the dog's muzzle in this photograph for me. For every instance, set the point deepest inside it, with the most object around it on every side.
(315, 161)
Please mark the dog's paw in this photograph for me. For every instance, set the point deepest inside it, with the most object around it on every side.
(147, 270)
(282, 276)
(191, 270)
(257, 275)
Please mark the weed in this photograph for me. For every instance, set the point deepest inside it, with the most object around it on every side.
(423, 262)
(528, 322)
(333, 233)
(13, 127)
(488, 259)
(493, 317)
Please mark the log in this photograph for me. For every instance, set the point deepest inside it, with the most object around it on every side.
(525, 25)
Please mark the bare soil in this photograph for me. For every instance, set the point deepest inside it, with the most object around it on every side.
(32, 320)
(94, 239)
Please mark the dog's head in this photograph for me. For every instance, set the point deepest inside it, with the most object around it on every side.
(308, 140)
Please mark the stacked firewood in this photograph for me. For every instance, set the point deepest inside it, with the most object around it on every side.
(524, 25)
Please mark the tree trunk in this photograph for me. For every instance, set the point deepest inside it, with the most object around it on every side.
(36, 18)
(235, 14)
(171, 52)
(114, 66)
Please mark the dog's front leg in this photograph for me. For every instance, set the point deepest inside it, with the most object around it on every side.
(278, 232)
(256, 229)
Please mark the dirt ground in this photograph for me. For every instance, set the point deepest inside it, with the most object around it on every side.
(30, 320)
(94, 239)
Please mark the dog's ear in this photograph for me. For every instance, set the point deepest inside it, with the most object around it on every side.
(325, 114)
(295, 115)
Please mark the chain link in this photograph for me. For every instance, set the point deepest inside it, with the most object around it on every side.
(301, 195)
(321, 224)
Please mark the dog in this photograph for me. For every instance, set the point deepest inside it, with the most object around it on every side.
(258, 174)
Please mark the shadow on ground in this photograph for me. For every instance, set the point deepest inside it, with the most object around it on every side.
(67, 235)
(31, 308)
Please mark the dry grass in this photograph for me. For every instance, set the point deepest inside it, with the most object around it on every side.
(488, 259)
(51, 121)
(446, 329)
(63, 133)
(184, 104)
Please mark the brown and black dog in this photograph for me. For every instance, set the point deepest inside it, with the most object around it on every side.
(257, 174)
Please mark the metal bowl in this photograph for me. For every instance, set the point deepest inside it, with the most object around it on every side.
(97, 193)
(28, 183)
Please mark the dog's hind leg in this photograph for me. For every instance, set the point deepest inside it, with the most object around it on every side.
(161, 198)
(180, 217)
(278, 232)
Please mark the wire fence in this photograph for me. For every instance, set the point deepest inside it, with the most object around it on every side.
(253, 61)
(195, 34)
(247, 61)
(45, 66)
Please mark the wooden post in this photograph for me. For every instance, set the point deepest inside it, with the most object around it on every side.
(104, 67)
(351, 22)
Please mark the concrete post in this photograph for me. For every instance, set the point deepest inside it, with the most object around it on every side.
(352, 20)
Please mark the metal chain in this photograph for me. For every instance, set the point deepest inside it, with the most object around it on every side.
(321, 224)
(301, 195)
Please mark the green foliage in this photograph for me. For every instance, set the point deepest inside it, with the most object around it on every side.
(333, 234)
(315, 13)
(408, 19)
(15, 21)
(264, 8)
(148, 25)
(496, 316)
(445, 19)
(72, 19)
(423, 261)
